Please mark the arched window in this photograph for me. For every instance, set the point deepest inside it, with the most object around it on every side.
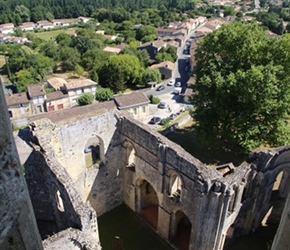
(175, 187)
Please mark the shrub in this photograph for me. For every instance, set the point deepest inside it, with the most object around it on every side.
(154, 99)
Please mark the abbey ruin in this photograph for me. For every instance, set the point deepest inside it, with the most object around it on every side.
(89, 160)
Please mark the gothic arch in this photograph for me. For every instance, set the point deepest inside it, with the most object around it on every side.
(130, 155)
(147, 202)
(181, 230)
(94, 151)
(175, 185)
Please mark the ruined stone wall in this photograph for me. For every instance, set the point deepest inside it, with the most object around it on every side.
(281, 240)
(219, 207)
(18, 228)
(101, 183)
(202, 188)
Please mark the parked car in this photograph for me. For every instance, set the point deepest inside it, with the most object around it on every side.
(162, 105)
(154, 120)
(171, 82)
(178, 84)
(161, 87)
(88, 149)
(172, 116)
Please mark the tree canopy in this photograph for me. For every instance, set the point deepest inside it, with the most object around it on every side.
(242, 89)
(120, 71)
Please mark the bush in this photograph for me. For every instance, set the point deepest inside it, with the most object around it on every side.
(154, 99)
(85, 99)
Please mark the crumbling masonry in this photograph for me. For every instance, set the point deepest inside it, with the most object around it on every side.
(89, 160)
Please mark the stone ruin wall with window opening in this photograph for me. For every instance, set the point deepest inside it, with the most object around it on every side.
(128, 163)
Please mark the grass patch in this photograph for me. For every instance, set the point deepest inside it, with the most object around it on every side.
(2, 61)
(47, 35)
(88, 160)
(186, 138)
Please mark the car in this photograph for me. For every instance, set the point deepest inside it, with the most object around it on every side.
(155, 120)
(162, 105)
(172, 116)
(178, 84)
(161, 87)
(171, 82)
(88, 149)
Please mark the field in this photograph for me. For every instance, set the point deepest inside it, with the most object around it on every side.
(47, 35)
(2, 61)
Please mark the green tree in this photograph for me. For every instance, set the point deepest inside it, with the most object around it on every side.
(242, 88)
(85, 99)
(24, 12)
(103, 94)
(146, 33)
(23, 78)
(151, 75)
(79, 70)
(120, 71)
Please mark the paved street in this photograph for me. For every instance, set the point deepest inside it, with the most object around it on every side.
(174, 102)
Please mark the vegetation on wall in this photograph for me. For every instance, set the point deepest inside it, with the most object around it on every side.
(242, 87)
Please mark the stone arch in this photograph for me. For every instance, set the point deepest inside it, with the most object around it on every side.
(131, 155)
(181, 230)
(94, 151)
(175, 185)
(147, 203)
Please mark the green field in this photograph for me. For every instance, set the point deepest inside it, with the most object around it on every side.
(2, 61)
(47, 35)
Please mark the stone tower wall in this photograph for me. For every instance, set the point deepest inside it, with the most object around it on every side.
(18, 228)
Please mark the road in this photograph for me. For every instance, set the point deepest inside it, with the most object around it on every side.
(174, 102)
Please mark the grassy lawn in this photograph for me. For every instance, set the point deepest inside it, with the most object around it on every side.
(186, 138)
(2, 61)
(47, 35)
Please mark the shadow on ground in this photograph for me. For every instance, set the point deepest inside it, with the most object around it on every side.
(186, 138)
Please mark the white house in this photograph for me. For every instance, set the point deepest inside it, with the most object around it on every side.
(76, 88)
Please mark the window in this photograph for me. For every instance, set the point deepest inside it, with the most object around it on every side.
(144, 109)
(135, 111)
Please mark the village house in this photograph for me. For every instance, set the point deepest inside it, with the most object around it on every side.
(152, 47)
(19, 105)
(136, 103)
(57, 83)
(187, 96)
(76, 88)
(44, 24)
(165, 68)
(27, 26)
(56, 100)
(62, 22)
(37, 95)
(116, 49)
(83, 19)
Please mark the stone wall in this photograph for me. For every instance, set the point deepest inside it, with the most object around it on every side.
(18, 229)
(219, 207)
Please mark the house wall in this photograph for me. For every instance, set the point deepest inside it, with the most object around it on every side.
(139, 112)
(55, 105)
(20, 112)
